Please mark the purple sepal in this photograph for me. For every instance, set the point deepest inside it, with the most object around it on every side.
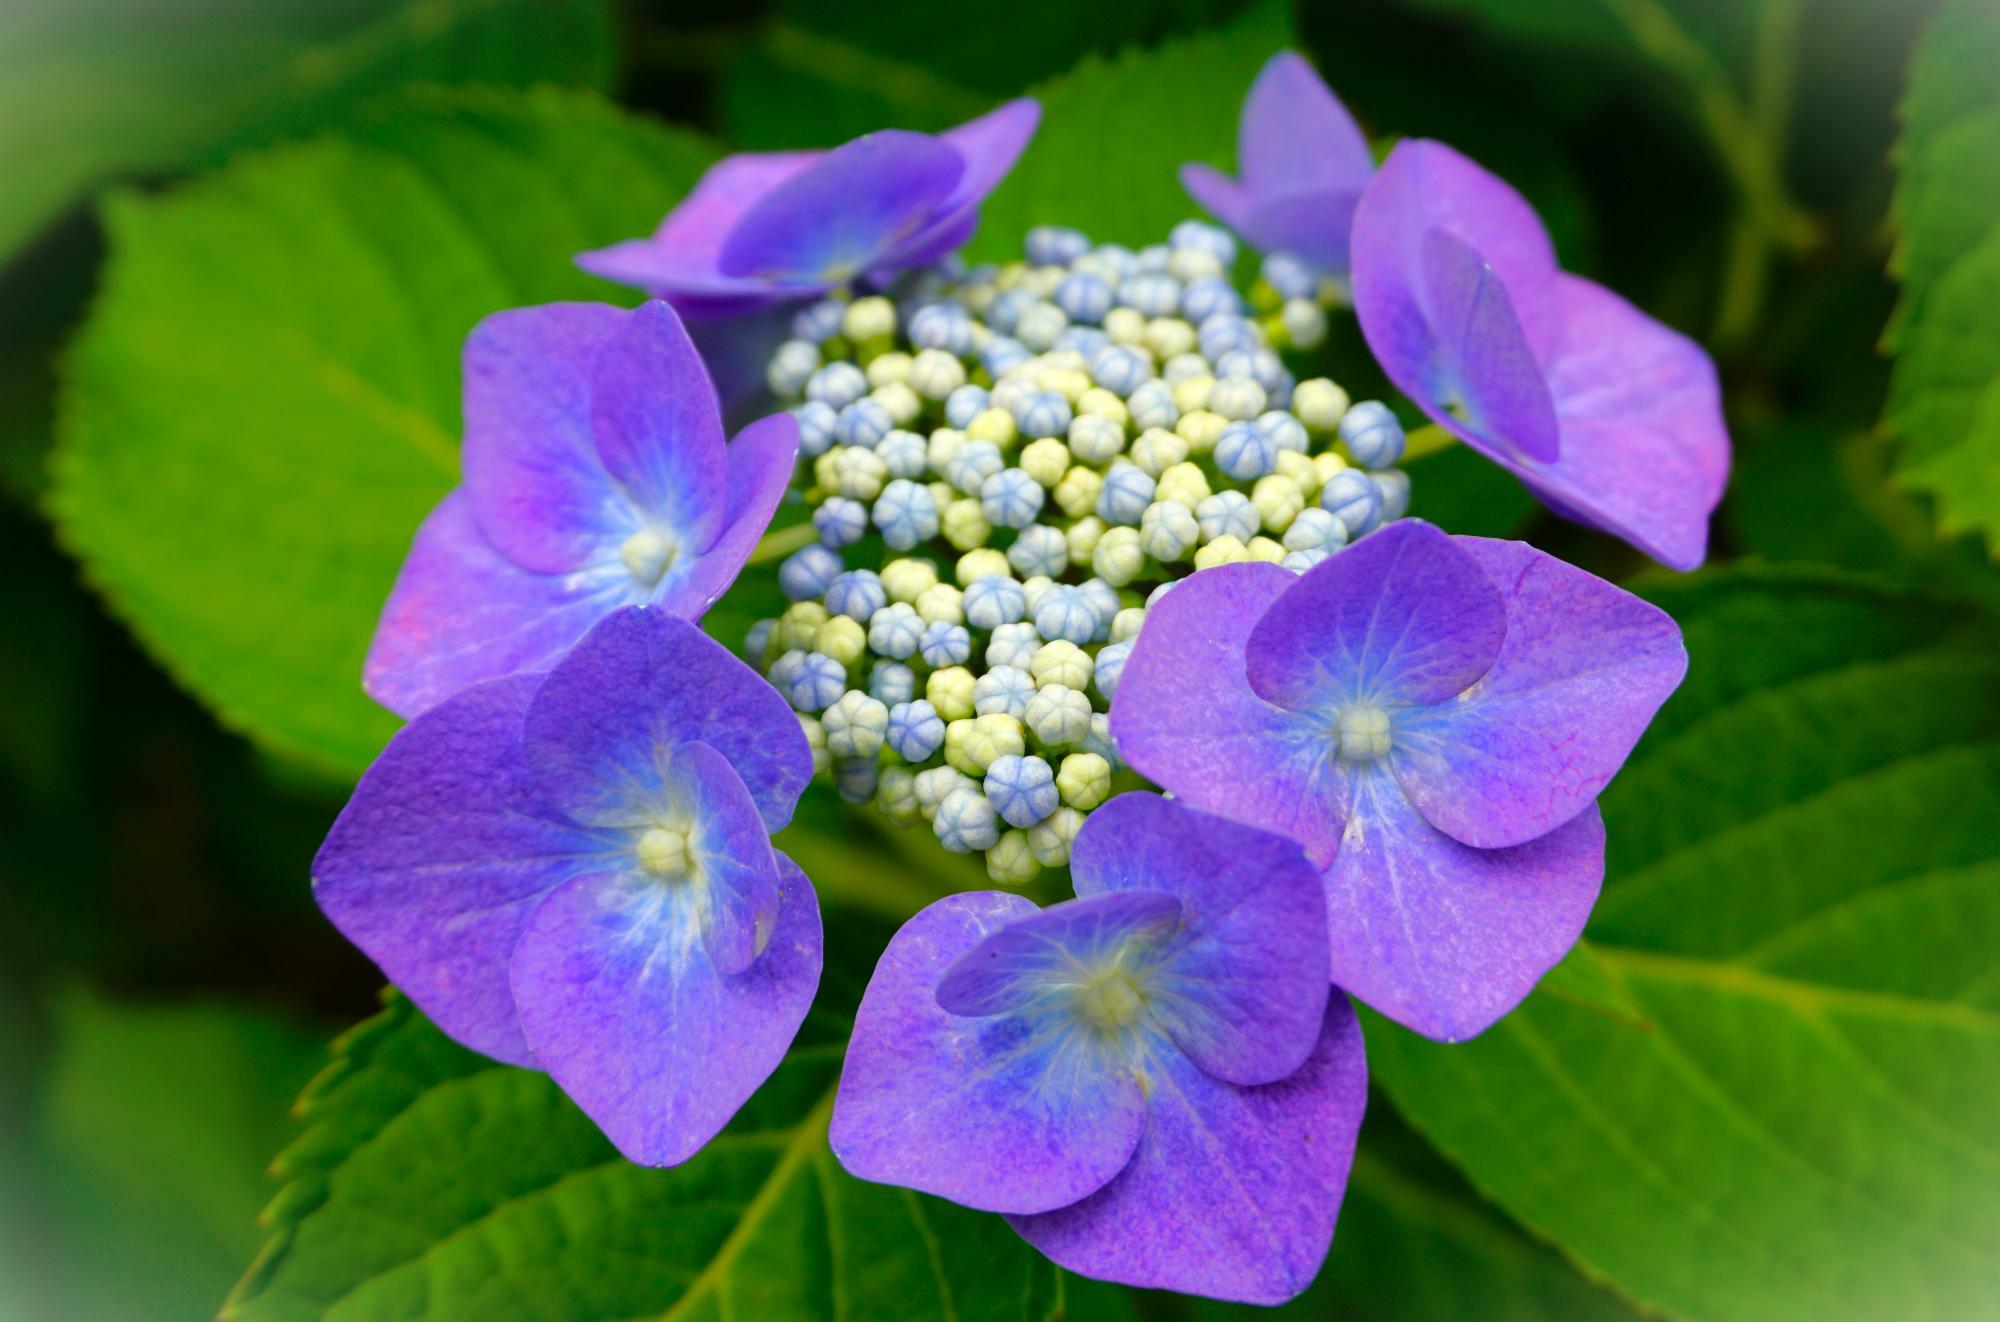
(1010, 969)
(623, 1007)
(1233, 1191)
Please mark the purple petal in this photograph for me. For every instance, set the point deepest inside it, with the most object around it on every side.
(760, 468)
(1015, 966)
(625, 1010)
(728, 844)
(1313, 226)
(461, 612)
(1584, 668)
(537, 487)
(989, 146)
(1403, 616)
(1481, 360)
(441, 854)
(686, 280)
(1217, 193)
(702, 222)
(1243, 988)
(658, 426)
(1233, 1191)
(1186, 718)
(980, 1111)
(642, 683)
(1442, 937)
(829, 222)
(1425, 186)
(1296, 136)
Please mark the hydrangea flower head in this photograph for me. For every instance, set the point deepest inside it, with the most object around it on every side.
(1304, 164)
(1432, 717)
(574, 872)
(1610, 417)
(776, 227)
(1152, 1080)
(596, 476)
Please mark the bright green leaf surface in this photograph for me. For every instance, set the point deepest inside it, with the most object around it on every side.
(1115, 133)
(1803, 911)
(274, 360)
(432, 1183)
(90, 88)
(1944, 399)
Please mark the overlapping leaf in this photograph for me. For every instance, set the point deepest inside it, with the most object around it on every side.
(1778, 1101)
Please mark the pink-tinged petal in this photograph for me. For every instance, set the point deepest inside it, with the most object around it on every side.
(734, 864)
(440, 855)
(1043, 954)
(1186, 717)
(1442, 937)
(832, 220)
(1404, 615)
(1313, 226)
(760, 469)
(1425, 186)
(461, 612)
(622, 1006)
(1482, 364)
(641, 684)
(1004, 1114)
(537, 487)
(1241, 987)
(1233, 1191)
(1295, 135)
(658, 426)
(1584, 668)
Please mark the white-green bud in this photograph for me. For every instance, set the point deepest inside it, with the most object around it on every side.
(941, 601)
(1118, 558)
(1011, 861)
(896, 795)
(842, 639)
(1083, 781)
(1061, 663)
(857, 474)
(943, 444)
(934, 785)
(1059, 716)
(1168, 337)
(935, 373)
(889, 369)
(991, 737)
(1224, 550)
(905, 580)
(1083, 535)
(1125, 624)
(1305, 322)
(1052, 837)
(964, 524)
(1319, 404)
(1167, 530)
(869, 319)
(855, 725)
(979, 563)
(1278, 501)
(1045, 460)
(1157, 450)
(901, 402)
(1183, 484)
(1095, 439)
(815, 734)
(949, 692)
(1076, 495)
(1125, 325)
(1237, 398)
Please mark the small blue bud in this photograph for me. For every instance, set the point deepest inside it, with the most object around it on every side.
(819, 322)
(1372, 434)
(1065, 613)
(1039, 549)
(1350, 497)
(863, 423)
(1204, 237)
(1098, 741)
(1225, 332)
(757, 640)
(1227, 514)
(1152, 257)
(964, 404)
(1154, 293)
(892, 682)
(1044, 413)
(807, 571)
(816, 420)
(1284, 429)
(1013, 645)
(1300, 561)
(966, 821)
(1290, 276)
(1394, 484)
(1103, 599)
(1084, 297)
(895, 631)
(1114, 261)
(1003, 354)
(1127, 490)
(1085, 340)
(1121, 369)
(992, 600)
(791, 367)
(854, 778)
(973, 466)
(1259, 364)
(903, 453)
(837, 385)
(1315, 530)
(1004, 313)
(1003, 690)
(1244, 452)
(915, 730)
(945, 326)
(1152, 405)
(818, 683)
(1011, 499)
(1056, 245)
(840, 521)
(857, 594)
(1206, 297)
(1040, 325)
(1110, 665)
(786, 669)
(945, 644)
(1022, 789)
(907, 514)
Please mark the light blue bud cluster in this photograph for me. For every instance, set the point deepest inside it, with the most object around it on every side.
(1004, 469)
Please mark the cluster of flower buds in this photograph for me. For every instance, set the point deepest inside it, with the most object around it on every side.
(1005, 467)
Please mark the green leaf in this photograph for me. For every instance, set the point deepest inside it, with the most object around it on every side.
(1944, 396)
(1115, 133)
(264, 403)
(1794, 1119)
(433, 1183)
(90, 88)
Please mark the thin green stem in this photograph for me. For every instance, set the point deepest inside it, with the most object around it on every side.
(781, 542)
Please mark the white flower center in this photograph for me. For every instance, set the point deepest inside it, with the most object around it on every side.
(1363, 732)
(1110, 1000)
(664, 853)
(648, 554)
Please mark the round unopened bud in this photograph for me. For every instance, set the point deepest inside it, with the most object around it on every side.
(966, 821)
(992, 737)
(892, 682)
(1157, 450)
(964, 524)
(1127, 490)
(1225, 550)
(1183, 484)
(945, 644)
(1082, 538)
(1013, 645)
(1084, 781)
(1076, 494)
(1058, 716)
(1201, 429)
(1045, 461)
(935, 784)
(888, 369)
(1167, 531)
(1152, 405)
(858, 474)
(1095, 439)
(1372, 434)
(1052, 837)
(1168, 337)
(915, 730)
(1022, 788)
(815, 681)
(1191, 393)
(1125, 325)
(896, 796)
(797, 626)
(941, 601)
(1237, 398)
(894, 631)
(1006, 689)
(856, 725)
(1011, 860)
(1011, 498)
(1061, 662)
(993, 599)
(1227, 514)
(1319, 404)
(815, 735)
(1119, 557)
(1265, 549)
(1278, 502)
(1298, 469)
(1350, 497)
(1244, 452)
(949, 692)
(1125, 624)
(842, 639)
(869, 319)
(837, 385)
(806, 572)
(1315, 529)
(791, 367)
(905, 579)
(1395, 487)
(995, 425)
(1101, 403)
(1110, 665)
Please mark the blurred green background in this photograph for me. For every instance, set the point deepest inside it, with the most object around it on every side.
(240, 241)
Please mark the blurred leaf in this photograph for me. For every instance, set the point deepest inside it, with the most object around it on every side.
(90, 88)
(1944, 397)
(264, 404)
(157, 1124)
(1115, 133)
(433, 1183)
(1804, 909)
